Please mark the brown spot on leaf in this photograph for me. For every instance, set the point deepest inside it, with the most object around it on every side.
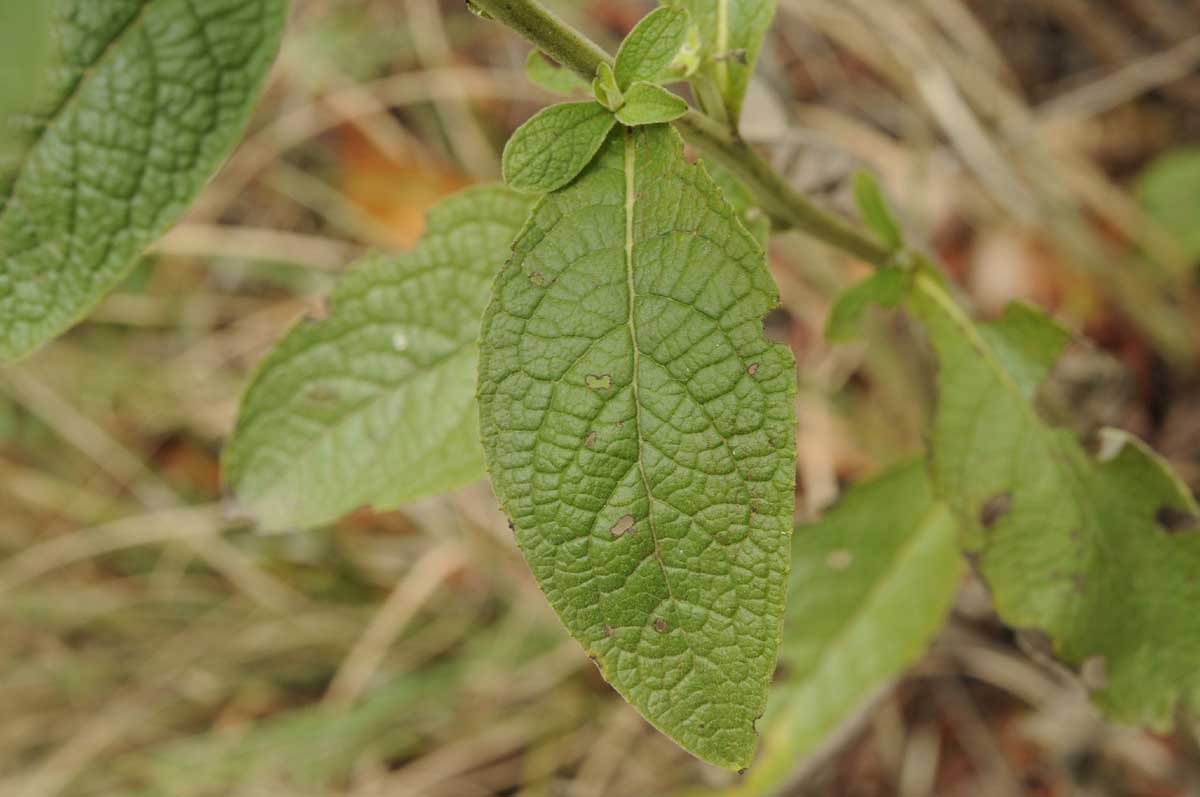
(660, 625)
(590, 440)
(1174, 521)
(538, 279)
(995, 508)
(608, 631)
(598, 381)
(753, 369)
(623, 525)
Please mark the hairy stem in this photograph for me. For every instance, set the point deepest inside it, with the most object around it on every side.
(787, 207)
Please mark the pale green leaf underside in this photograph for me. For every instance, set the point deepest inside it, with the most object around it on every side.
(151, 98)
(552, 77)
(639, 432)
(733, 33)
(546, 152)
(375, 404)
(648, 104)
(871, 585)
(651, 46)
(1077, 547)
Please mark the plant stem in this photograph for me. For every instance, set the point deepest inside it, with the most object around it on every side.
(787, 207)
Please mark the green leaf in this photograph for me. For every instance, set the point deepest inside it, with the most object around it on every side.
(556, 79)
(149, 100)
(735, 192)
(733, 33)
(605, 88)
(549, 150)
(651, 46)
(648, 104)
(1102, 555)
(885, 287)
(871, 585)
(24, 56)
(374, 405)
(1169, 191)
(639, 432)
(875, 212)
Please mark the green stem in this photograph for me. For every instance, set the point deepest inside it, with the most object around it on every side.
(786, 206)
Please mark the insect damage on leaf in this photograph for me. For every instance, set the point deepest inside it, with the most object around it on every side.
(1069, 544)
(645, 332)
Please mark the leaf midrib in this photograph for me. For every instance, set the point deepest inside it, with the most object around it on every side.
(630, 203)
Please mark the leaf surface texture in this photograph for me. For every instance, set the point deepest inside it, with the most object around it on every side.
(149, 98)
(375, 404)
(639, 432)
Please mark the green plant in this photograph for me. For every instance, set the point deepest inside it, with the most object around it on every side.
(638, 429)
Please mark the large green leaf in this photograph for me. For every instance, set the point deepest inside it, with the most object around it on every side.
(150, 98)
(375, 404)
(639, 432)
(1102, 554)
(871, 585)
(732, 32)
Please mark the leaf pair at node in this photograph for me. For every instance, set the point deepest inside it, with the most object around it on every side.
(552, 148)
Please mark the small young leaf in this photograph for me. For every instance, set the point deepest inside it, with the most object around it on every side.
(640, 434)
(549, 150)
(1169, 191)
(733, 33)
(875, 212)
(149, 98)
(651, 46)
(885, 287)
(871, 584)
(1068, 544)
(541, 71)
(648, 104)
(605, 88)
(375, 403)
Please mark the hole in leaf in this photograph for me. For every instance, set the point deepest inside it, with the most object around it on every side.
(623, 525)
(777, 325)
(1174, 521)
(994, 509)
